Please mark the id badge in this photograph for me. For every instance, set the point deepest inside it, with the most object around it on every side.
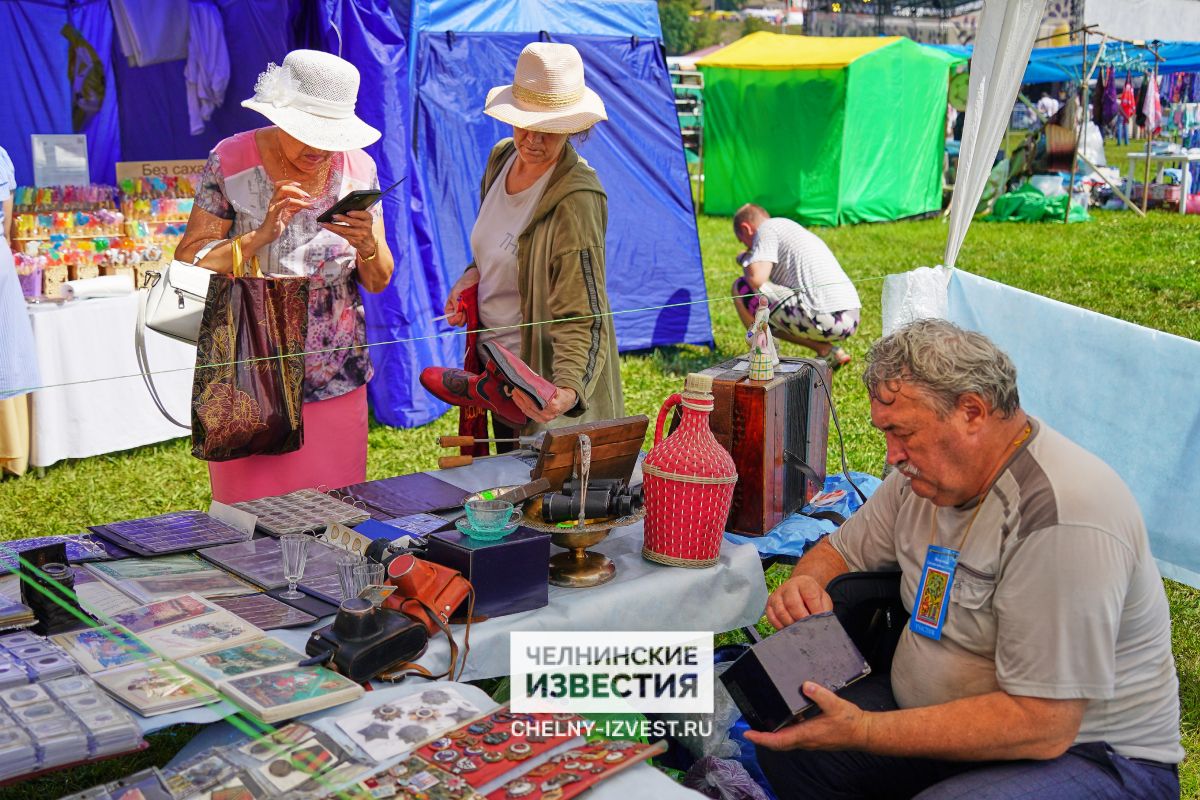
(933, 595)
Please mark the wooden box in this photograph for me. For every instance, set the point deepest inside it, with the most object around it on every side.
(615, 447)
(777, 432)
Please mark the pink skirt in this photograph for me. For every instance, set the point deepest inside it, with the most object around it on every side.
(334, 455)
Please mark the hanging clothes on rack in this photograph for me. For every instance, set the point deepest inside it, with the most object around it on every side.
(1109, 109)
(1098, 99)
(1152, 107)
(1128, 101)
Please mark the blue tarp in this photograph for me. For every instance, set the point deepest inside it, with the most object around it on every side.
(653, 248)
(1124, 392)
(653, 252)
(1058, 64)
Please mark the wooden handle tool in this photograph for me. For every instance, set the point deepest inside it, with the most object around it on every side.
(468, 441)
(447, 462)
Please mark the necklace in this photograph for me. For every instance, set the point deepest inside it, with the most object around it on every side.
(319, 178)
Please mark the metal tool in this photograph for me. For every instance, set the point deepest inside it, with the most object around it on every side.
(471, 441)
(448, 462)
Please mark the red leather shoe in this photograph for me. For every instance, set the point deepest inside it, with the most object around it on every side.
(516, 373)
(461, 388)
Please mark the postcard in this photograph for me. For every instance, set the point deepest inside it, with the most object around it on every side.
(155, 688)
(98, 649)
(286, 686)
(215, 631)
(164, 612)
(130, 568)
(208, 584)
(243, 659)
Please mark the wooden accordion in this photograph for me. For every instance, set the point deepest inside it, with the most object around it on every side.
(777, 432)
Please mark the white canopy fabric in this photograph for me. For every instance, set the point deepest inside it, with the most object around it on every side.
(1003, 42)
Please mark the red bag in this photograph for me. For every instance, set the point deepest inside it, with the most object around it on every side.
(430, 594)
(248, 387)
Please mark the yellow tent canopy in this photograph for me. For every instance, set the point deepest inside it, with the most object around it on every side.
(766, 50)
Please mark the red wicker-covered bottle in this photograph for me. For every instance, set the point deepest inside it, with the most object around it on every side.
(689, 481)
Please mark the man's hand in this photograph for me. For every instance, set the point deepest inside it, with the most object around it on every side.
(562, 401)
(796, 598)
(841, 726)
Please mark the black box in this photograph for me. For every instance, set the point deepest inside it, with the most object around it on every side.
(767, 681)
(509, 576)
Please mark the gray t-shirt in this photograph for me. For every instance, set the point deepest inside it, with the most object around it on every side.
(1056, 595)
(805, 263)
(502, 218)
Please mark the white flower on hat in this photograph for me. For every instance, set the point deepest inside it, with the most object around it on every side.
(275, 86)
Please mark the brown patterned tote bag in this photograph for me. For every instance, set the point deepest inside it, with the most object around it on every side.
(248, 386)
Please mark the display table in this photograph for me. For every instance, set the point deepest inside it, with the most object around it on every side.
(105, 406)
(642, 780)
(1137, 168)
(644, 596)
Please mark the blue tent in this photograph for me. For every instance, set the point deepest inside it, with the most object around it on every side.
(1059, 64)
(426, 68)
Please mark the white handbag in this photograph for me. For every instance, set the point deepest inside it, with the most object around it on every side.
(171, 303)
(174, 298)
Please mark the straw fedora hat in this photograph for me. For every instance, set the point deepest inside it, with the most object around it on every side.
(547, 93)
(312, 97)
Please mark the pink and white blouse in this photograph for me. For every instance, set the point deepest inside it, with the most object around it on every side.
(235, 186)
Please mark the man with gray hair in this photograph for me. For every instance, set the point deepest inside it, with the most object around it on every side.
(1037, 659)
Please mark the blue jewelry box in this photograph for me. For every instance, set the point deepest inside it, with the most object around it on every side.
(510, 575)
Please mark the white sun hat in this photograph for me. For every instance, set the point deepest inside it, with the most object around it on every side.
(547, 93)
(311, 98)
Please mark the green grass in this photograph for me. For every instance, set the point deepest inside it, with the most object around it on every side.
(1143, 271)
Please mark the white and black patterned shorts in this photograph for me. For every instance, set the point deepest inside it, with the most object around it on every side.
(793, 317)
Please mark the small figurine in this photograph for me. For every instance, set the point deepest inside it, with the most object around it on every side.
(763, 356)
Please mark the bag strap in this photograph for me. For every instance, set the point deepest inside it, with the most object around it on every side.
(411, 668)
(139, 342)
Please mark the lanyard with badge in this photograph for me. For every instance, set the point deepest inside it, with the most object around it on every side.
(937, 576)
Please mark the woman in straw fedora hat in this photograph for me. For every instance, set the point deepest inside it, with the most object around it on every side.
(265, 188)
(538, 247)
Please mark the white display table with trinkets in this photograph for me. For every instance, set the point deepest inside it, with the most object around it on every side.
(643, 596)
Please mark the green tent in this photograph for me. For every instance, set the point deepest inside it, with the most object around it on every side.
(825, 130)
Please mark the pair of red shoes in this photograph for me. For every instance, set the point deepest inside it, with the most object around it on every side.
(503, 373)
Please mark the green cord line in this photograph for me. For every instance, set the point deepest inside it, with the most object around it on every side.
(241, 718)
(23, 390)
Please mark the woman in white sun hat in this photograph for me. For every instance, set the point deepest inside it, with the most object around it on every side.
(538, 243)
(266, 188)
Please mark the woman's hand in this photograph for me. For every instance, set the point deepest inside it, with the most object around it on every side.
(287, 200)
(357, 228)
(562, 401)
(454, 317)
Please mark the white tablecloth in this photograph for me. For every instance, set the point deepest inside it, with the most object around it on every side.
(89, 344)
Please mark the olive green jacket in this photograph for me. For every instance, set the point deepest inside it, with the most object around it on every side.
(560, 275)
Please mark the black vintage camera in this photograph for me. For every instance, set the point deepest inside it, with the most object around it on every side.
(364, 641)
(605, 499)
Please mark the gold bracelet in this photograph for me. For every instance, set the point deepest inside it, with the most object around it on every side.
(370, 257)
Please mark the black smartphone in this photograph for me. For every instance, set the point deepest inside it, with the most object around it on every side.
(358, 200)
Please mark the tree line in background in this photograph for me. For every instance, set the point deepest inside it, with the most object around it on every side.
(683, 33)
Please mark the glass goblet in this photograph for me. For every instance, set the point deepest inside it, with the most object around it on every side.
(294, 547)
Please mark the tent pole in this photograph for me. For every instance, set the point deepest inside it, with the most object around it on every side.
(1083, 116)
(1116, 189)
(1149, 137)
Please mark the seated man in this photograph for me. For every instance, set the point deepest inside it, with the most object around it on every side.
(812, 301)
(1047, 671)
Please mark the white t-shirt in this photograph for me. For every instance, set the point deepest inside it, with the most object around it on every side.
(502, 218)
(805, 263)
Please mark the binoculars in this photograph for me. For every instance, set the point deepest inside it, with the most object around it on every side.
(605, 498)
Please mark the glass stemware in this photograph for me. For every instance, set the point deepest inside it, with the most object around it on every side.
(294, 547)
